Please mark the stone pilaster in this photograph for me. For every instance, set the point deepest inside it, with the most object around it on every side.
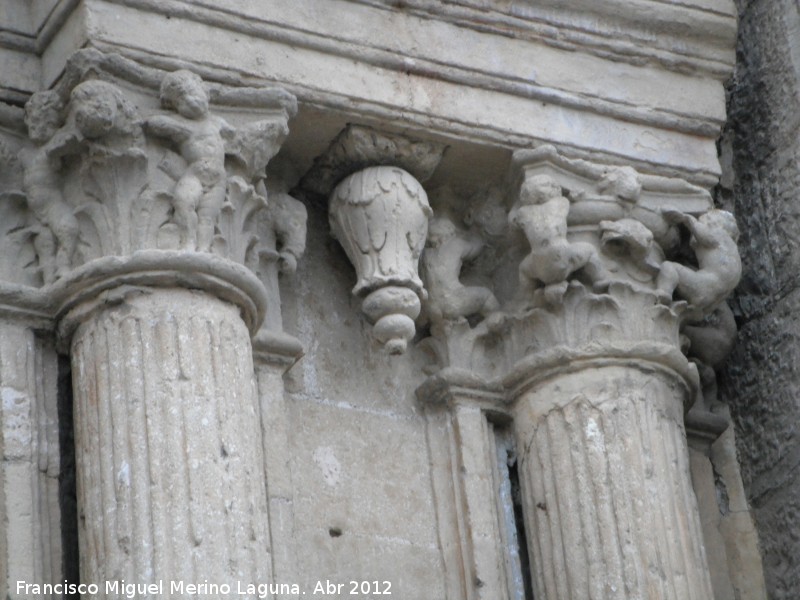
(463, 414)
(30, 453)
(147, 191)
(273, 354)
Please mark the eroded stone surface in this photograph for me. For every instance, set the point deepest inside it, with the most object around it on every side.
(350, 476)
(760, 380)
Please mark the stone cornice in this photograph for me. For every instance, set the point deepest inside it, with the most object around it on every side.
(704, 33)
(409, 61)
(619, 28)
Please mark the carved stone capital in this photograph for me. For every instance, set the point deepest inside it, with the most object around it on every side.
(132, 175)
(451, 386)
(592, 244)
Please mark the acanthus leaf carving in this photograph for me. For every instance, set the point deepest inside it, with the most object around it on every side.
(110, 174)
(20, 230)
(591, 245)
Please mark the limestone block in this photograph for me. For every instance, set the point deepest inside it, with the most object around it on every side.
(440, 88)
(342, 483)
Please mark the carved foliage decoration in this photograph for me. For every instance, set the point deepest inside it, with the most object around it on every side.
(108, 173)
(380, 216)
(592, 244)
(18, 230)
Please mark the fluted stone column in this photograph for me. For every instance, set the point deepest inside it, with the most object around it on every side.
(590, 354)
(150, 215)
(168, 441)
(609, 501)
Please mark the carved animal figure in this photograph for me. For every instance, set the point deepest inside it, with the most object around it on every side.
(446, 250)
(542, 216)
(714, 237)
(56, 244)
(199, 136)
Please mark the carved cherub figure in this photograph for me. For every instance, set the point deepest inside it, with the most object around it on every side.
(99, 119)
(288, 220)
(711, 341)
(199, 193)
(542, 216)
(446, 250)
(42, 186)
(714, 237)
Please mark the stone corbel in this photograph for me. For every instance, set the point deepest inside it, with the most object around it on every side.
(379, 212)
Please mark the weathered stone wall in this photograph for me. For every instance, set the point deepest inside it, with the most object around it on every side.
(761, 381)
(565, 145)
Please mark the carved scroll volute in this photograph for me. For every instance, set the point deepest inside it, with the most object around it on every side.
(380, 216)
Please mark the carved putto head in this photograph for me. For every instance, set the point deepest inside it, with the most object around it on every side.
(183, 91)
(440, 229)
(721, 219)
(538, 190)
(43, 115)
(100, 109)
(622, 182)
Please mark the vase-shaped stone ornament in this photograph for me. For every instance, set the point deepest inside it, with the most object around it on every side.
(380, 216)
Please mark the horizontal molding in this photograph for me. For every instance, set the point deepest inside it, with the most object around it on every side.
(416, 63)
(36, 41)
(374, 113)
(695, 32)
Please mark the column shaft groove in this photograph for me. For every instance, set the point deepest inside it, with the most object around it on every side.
(170, 467)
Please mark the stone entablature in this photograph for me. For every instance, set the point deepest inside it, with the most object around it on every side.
(489, 94)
